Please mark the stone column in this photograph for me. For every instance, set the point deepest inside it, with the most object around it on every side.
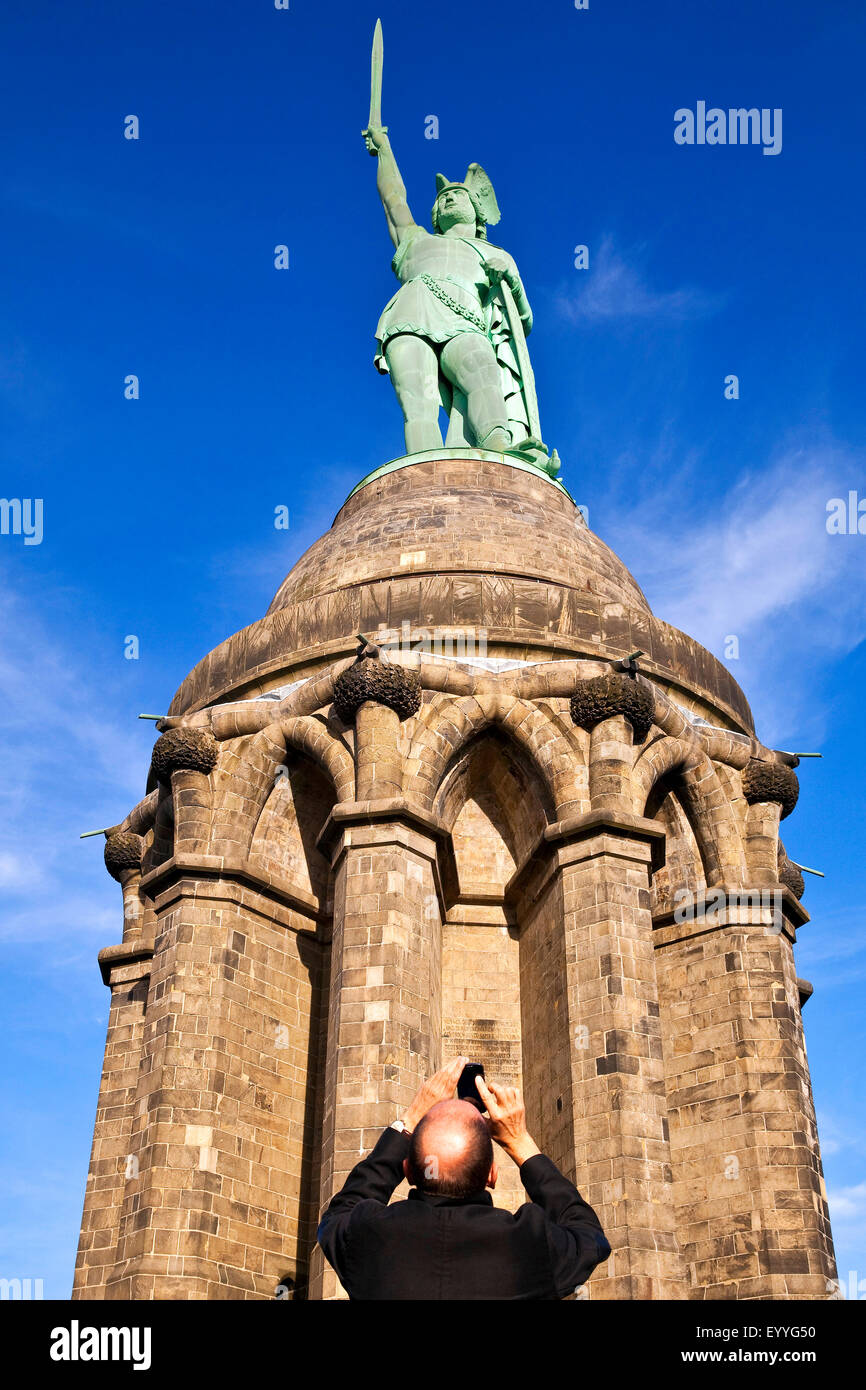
(184, 759)
(223, 1133)
(127, 974)
(749, 1188)
(621, 1133)
(379, 772)
(751, 1203)
(620, 1122)
(385, 1026)
(126, 971)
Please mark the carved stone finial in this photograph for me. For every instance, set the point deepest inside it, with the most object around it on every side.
(601, 697)
(193, 750)
(771, 782)
(371, 679)
(790, 875)
(123, 850)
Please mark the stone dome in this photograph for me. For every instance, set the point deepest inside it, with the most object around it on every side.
(477, 517)
(462, 541)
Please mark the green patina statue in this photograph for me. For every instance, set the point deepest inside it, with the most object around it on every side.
(454, 334)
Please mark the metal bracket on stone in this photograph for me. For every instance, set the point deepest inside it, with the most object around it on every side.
(793, 759)
(366, 648)
(628, 664)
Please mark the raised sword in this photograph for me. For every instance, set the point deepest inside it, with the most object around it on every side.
(376, 61)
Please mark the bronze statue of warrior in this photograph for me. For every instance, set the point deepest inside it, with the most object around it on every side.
(454, 333)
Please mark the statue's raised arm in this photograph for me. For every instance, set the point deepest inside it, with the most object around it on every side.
(389, 182)
(392, 189)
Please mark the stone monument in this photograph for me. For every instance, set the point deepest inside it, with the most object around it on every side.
(489, 828)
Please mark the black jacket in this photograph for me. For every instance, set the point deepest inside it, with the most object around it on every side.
(430, 1247)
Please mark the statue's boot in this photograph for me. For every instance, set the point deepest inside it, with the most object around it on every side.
(498, 439)
(488, 420)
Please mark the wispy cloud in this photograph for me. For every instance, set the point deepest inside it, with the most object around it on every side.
(836, 954)
(757, 565)
(616, 286)
(18, 871)
(848, 1219)
(71, 763)
(839, 1136)
(765, 555)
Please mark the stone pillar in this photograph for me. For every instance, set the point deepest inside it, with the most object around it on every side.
(592, 1046)
(184, 759)
(223, 1132)
(385, 1026)
(379, 771)
(587, 949)
(621, 1134)
(126, 970)
(749, 1188)
(385, 1013)
(762, 843)
(611, 753)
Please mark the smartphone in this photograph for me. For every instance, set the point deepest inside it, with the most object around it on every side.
(466, 1088)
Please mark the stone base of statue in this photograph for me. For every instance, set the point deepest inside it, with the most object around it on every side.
(467, 840)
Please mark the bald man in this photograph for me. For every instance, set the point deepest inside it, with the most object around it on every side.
(447, 1240)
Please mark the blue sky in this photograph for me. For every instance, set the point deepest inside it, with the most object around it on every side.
(155, 257)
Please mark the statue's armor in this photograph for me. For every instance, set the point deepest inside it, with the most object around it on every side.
(456, 266)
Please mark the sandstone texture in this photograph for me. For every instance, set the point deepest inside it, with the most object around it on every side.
(473, 835)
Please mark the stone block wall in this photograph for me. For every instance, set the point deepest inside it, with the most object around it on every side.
(748, 1184)
(112, 1142)
(481, 1012)
(221, 1200)
(387, 861)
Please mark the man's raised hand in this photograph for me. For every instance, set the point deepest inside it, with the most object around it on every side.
(507, 1119)
(440, 1086)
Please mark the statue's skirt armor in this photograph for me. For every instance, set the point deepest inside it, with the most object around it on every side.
(456, 265)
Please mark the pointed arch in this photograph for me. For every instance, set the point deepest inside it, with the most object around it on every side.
(494, 773)
(446, 724)
(671, 767)
(249, 769)
(284, 842)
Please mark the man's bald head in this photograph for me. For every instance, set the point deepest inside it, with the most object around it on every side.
(451, 1152)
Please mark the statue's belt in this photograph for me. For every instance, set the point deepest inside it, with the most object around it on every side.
(435, 287)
